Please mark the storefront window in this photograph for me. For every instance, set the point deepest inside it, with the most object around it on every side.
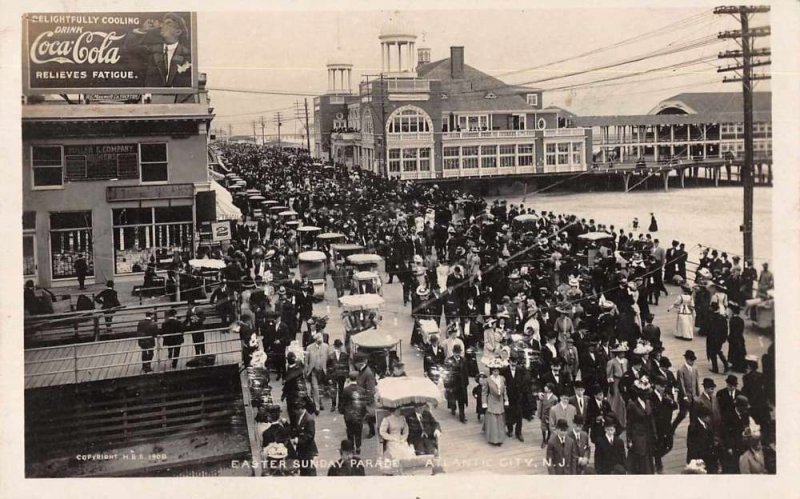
(70, 239)
(145, 235)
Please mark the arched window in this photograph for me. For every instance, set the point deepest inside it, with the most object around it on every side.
(367, 126)
(409, 119)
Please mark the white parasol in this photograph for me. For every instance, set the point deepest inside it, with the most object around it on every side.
(405, 390)
(207, 263)
(367, 301)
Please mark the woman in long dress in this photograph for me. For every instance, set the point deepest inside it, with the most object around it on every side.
(684, 324)
(495, 401)
(615, 369)
(394, 432)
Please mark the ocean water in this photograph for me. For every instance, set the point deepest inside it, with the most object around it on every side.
(707, 216)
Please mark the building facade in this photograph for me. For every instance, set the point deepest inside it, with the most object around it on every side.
(119, 185)
(421, 120)
(688, 126)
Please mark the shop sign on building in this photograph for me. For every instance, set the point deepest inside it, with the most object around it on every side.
(220, 231)
(148, 192)
(111, 53)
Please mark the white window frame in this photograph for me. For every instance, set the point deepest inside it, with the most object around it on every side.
(61, 166)
(395, 165)
(531, 155)
(141, 163)
(505, 156)
(532, 99)
(551, 157)
(484, 120)
(451, 161)
(522, 118)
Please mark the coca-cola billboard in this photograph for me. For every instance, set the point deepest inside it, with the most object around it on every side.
(119, 52)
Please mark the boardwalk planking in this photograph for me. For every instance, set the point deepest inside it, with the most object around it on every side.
(123, 356)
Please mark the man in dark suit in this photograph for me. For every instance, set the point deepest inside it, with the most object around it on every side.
(581, 403)
(599, 410)
(294, 383)
(172, 330)
(353, 406)
(562, 381)
(456, 367)
(651, 332)
(338, 369)
(701, 442)
(562, 453)
(709, 401)
(518, 387)
(277, 338)
(433, 354)
(473, 333)
(663, 407)
(726, 398)
(162, 52)
(609, 450)
(304, 433)
(146, 332)
(581, 439)
(423, 431)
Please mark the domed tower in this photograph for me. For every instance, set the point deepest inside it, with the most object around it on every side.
(398, 51)
(423, 53)
(340, 74)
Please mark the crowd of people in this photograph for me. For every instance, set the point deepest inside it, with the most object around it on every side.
(547, 323)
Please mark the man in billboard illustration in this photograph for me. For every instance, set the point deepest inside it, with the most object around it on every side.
(161, 51)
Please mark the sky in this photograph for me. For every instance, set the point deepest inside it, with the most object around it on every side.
(286, 51)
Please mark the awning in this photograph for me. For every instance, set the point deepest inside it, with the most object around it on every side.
(226, 210)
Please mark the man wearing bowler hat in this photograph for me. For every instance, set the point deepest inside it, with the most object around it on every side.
(688, 387)
(709, 401)
(726, 398)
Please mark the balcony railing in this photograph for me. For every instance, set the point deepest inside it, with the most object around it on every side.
(411, 85)
(409, 136)
(416, 175)
(487, 134)
(564, 132)
(346, 136)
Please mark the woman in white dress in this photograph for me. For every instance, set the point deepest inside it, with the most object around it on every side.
(684, 326)
(394, 432)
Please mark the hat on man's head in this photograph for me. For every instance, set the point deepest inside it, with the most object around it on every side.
(690, 355)
(562, 424)
(709, 383)
(346, 446)
(741, 402)
(732, 380)
(337, 342)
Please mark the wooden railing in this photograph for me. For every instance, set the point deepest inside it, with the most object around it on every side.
(92, 325)
(80, 362)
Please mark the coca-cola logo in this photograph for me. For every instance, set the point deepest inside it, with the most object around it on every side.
(92, 47)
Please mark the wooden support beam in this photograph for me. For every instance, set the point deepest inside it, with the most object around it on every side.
(683, 177)
(627, 179)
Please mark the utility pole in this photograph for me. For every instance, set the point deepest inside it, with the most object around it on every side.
(308, 130)
(255, 141)
(744, 38)
(230, 131)
(278, 122)
(262, 131)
